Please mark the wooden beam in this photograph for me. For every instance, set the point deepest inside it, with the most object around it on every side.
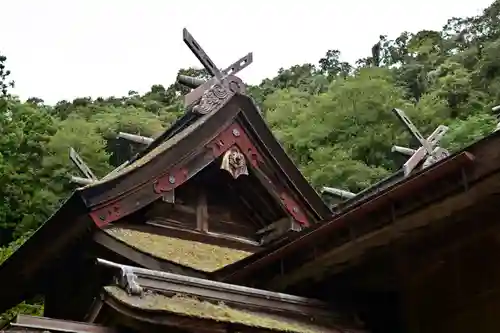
(95, 310)
(57, 325)
(202, 212)
(155, 227)
(276, 229)
(185, 209)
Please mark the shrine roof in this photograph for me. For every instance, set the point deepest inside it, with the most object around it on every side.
(189, 137)
(375, 220)
(147, 178)
(192, 307)
(200, 256)
(174, 300)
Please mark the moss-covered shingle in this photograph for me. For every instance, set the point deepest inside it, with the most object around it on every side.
(192, 307)
(197, 255)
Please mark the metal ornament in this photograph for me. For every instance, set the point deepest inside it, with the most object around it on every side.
(234, 162)
(127, 279)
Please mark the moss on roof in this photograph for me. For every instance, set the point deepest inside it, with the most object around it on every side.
(192, 307)
(200, 256)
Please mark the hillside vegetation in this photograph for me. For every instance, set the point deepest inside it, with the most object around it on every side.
(332, 117)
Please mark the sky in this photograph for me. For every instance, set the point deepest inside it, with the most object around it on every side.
(60, 49)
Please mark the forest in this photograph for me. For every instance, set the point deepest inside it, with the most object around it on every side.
(333, 118)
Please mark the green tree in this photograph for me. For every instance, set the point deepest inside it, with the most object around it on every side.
(5, 83)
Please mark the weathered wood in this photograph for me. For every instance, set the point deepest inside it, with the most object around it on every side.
(202, 212)
(58, 325)
(156, 321)
(94, 311)
(194, 235)
(181, 153)
(385, 235)
(276, 229)
(229, 227)
(184, 209)
(317, 240)
(171, 284)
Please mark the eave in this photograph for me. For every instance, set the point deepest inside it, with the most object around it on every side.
(166, 299)
(364, 217)
(27, 269)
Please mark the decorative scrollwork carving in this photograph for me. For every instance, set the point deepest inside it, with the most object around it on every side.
(234, 162)
(213, 99)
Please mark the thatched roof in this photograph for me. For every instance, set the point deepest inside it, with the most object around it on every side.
(197, 255)
(193, 307)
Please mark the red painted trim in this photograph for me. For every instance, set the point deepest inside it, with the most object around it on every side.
(106, 214)
(233, 135)
(294, 210)
(173, 179)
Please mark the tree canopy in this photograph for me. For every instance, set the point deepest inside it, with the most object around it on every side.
(333, 118)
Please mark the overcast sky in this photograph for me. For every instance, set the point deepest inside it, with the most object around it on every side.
(60, 49)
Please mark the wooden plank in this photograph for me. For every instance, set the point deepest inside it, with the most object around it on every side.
(58, 325)
(209, 237)
(276, 229)
(202, 212)
(236, 228)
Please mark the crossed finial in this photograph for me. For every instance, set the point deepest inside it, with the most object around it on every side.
(429, 151)
(208, 64)
(221, 79)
